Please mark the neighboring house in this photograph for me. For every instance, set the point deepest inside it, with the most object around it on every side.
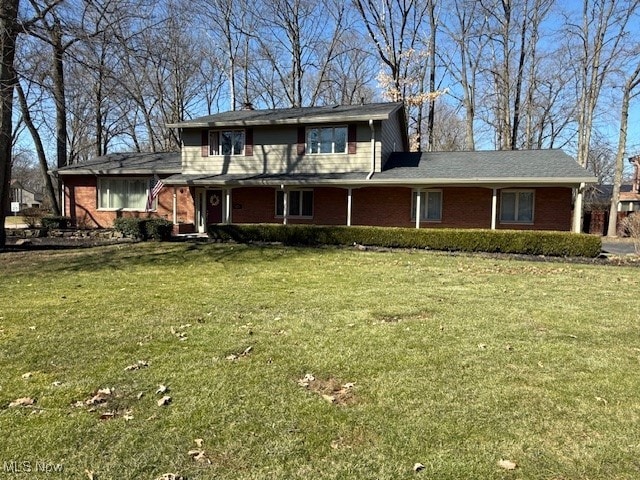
(342, 165)
(26, 197)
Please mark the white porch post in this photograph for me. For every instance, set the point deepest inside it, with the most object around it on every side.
(63, 199)
(175, 206)
(227, 209)
(285, 205)
(418, 198)
(201, 213)
(349, 205)
(577, 210)
(494, 208)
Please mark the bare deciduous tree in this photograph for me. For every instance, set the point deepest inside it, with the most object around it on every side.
(8, 35)
(632, 82)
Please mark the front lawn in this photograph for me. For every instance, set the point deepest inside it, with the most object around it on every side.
(315, 364)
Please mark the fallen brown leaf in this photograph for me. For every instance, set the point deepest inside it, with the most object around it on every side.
(22, 402)
(199, 456)
(162, 389)
(136, 366)
(507, 464)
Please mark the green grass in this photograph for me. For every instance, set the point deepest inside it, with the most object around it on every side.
(458, 362)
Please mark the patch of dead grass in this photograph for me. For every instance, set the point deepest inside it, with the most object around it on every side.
(331, 389)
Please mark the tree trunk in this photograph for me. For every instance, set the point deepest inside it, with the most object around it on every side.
(631, 83)
(42, 160)
(59, 95)
(432, 74)
(519, 79)
(8, 34)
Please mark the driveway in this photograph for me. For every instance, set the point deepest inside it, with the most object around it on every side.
(618, 246)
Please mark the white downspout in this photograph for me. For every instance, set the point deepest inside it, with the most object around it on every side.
(373, 150)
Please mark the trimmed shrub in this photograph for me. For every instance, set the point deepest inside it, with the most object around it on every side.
(130, 227)
(55, 222)
(144, 228)
(158, 229)
(560, 244)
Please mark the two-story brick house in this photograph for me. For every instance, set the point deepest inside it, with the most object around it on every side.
(342, 165)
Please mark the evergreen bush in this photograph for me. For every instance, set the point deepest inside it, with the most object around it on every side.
(52, 222)
(561, 244)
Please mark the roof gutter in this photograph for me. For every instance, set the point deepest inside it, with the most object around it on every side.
(373, 149)
(399, 182)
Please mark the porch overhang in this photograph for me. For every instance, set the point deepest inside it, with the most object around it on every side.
(359, 180)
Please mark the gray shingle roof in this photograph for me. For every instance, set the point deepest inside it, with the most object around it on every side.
(522, 166)
(291, 116)
(127, 163)
(268, 179)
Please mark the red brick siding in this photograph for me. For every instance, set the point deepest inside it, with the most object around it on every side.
(258, 204)
(81, 204)
(253, 205)
(330, 206)
(465, 208)
(462, 207)
(552, 210)
(383, 207)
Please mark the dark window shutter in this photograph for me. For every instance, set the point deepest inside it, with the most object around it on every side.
(351, 139)
(301, 140)
(204, 143)
(248, 142)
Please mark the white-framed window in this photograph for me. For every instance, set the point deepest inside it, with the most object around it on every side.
(226, 142)
(430, 205)
(327, 140)
(123, 193)
(299, 203)
(516, 206)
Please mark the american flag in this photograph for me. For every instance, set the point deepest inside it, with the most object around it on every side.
(155, 185)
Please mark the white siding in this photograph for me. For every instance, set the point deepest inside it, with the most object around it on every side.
(275, 151)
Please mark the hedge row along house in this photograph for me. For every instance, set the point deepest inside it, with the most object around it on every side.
(334, 165)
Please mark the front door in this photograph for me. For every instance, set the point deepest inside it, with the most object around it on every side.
(214, 206)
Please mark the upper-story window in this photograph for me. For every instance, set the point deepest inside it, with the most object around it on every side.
(327, 140)
(226, 142)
